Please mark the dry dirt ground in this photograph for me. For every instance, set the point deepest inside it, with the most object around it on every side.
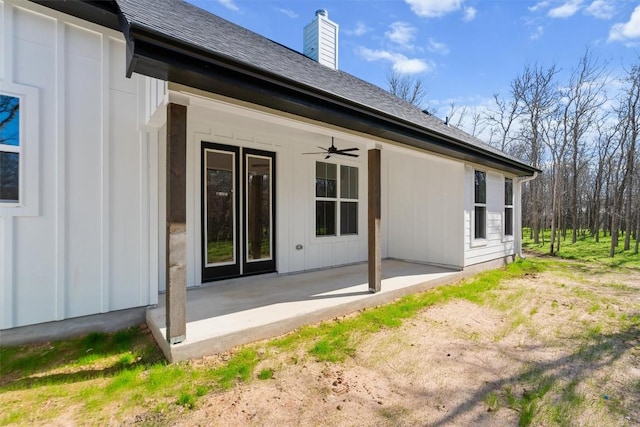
(570, 336)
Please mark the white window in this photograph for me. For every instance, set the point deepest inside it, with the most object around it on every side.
(19, 169)
(480, 205)
(336, 205)
(508, 207)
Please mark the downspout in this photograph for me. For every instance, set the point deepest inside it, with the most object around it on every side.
(519, 213)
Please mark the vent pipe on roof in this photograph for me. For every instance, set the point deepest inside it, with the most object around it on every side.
(321, 40)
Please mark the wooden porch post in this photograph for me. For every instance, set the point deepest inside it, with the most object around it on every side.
(374, 240)
(176, 295)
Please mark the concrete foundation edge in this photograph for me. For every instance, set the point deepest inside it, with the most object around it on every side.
(187, 351)
(70, 328)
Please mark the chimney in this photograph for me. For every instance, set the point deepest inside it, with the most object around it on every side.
(321, 40)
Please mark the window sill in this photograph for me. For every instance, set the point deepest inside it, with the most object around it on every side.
(478, 243)
(335, 239)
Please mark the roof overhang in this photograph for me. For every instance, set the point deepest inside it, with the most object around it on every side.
(157, 55)
(101, 12)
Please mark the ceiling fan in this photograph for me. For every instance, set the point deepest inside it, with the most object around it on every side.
(334, 150)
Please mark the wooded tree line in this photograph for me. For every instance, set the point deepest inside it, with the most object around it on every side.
(583, 133)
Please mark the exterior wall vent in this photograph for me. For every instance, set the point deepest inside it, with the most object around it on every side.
(321, 40)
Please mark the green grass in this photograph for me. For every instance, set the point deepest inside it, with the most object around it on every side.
(129, 369)
(239, 368)
(337, 341)
(126, 369)
(586, 249)
(265, 374)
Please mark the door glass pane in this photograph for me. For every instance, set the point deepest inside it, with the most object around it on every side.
(258, 199)
(220, 223)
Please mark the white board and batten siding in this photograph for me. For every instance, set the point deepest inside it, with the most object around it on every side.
(496, 245)
(86, 251)
(211, 121)
(422, 208)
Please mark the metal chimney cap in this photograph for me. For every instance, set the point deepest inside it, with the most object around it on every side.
(322, 12)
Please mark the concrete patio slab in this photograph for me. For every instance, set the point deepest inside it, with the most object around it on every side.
(234, 312)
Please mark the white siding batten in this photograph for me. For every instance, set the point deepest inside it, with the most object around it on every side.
(6, 272)
(105, 264)
(85, 214)
(60, 179)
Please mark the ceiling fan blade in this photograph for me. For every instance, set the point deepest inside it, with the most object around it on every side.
(348, 149)
(319, 152)
(328, 155)
(348, 154)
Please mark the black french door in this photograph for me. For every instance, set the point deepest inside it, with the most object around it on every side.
(238, 211)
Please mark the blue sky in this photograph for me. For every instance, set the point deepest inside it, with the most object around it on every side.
(464, 51)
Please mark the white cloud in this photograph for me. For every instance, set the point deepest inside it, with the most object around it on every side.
(229, 4)
(437, 47)
(401, 33)
(537, 33)
(566, 10)
(625, 31)
(360, 30)
(434, 8)
(290, 13)
(469, 14)
(538, 6)
(400, 63)
(601, 9)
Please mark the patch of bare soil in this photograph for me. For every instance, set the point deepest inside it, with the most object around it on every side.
(570, 337)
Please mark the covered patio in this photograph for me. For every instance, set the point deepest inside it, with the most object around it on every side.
(240, 311)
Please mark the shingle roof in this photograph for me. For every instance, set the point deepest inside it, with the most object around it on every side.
(202, 30)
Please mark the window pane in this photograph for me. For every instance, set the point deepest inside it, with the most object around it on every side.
(480, 222)
(480, 187)
(321, 187)
(326, 180)
(348, 218)
(508, 221)
(321, 170)
(325, 218)
(348, 182)
(9, 120)
(344, 182)
(258, 208)
(332, 188)
(508, 192)
(220, 210)
(9, 177)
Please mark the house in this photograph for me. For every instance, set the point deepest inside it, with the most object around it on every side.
(150, 147)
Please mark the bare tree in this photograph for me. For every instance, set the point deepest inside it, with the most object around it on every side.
(406, 86)
(551, 135)
(582, 99)
(502, 119)
(632, 116)
(537, 91)
(456, 116)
